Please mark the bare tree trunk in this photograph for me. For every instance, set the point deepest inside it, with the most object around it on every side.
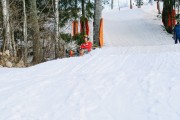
(158, 7)
(76, 10)
(83, 18)
(25, 33)
(119, 5)
(151, 1)
(7, 45)
(139, 3)
(178, 9)
(56, 29)
(13, 40)
(61, 43)
(35, 31)
(130, 4)
(97, 17)
(112, 4)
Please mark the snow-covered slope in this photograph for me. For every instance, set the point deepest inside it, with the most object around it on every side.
(134, 77)
(135, 27)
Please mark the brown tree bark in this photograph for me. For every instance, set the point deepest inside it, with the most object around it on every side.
(35, 31)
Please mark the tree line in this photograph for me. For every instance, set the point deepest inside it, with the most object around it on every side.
(30, 29)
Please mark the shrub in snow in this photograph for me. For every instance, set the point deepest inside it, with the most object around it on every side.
(8, 64)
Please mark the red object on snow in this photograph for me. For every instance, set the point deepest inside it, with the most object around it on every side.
(87, 45)
(71, 53)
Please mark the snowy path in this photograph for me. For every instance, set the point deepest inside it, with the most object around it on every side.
(135, 27)
(128, 79)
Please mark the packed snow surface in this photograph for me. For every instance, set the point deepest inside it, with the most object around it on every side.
(135, 76)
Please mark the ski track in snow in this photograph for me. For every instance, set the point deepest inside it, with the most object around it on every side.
(134, 77)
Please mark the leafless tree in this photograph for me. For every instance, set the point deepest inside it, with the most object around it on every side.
(97, 17)
(6, 27)
(35, 31)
